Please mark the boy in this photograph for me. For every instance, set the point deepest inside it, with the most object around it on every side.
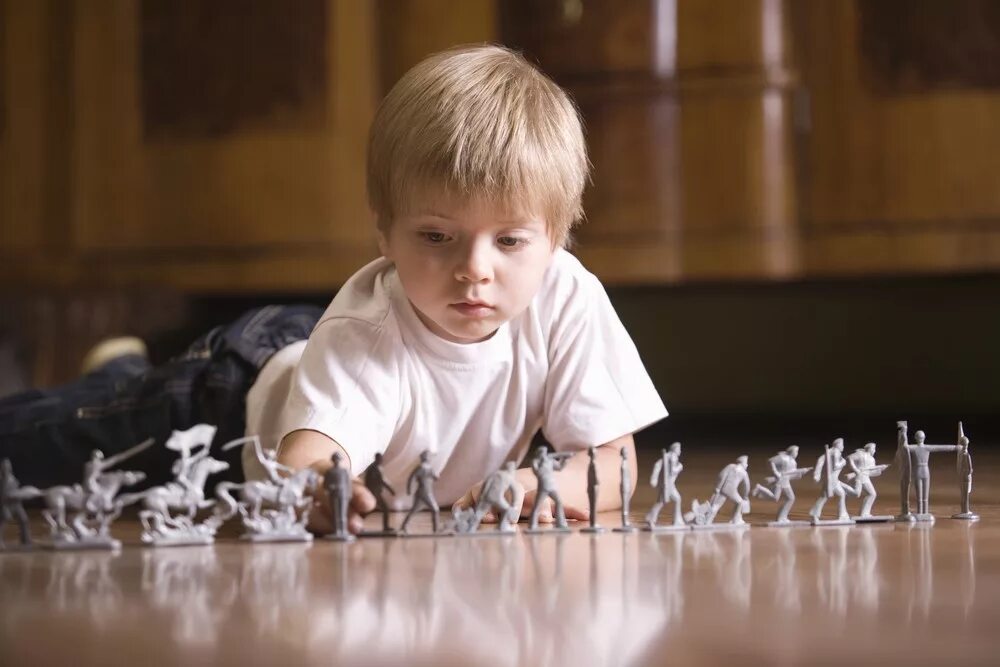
(472, 331)
(475, 328)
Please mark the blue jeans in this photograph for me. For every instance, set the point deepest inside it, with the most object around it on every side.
(49, 434)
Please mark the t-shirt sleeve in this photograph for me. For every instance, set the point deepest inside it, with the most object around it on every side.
(346, 387)
(597, 388)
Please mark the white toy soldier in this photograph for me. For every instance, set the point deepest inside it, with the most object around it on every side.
(920, 454)
(903, 465)
(545, 465)
(423, 477)
(965, 477)
(785, 470)
(593, 484)
(731, 480)
(863, 467)
(664, 480)
(494, 495)
(12, 494)
(337, 483)
(827, 472)
(375, 482)
(625, 486)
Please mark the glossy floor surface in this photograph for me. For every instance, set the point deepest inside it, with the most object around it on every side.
(895, 593)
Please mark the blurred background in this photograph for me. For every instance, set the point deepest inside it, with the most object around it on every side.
(795, 203)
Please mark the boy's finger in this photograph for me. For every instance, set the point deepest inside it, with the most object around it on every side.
(319, 518)
(489, 517)
(362, 500)
(576, 514)
(355, 523)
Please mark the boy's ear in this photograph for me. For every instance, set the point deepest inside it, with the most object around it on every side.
(383, 243)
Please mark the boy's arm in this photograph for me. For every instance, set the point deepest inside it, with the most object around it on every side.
(311, 449)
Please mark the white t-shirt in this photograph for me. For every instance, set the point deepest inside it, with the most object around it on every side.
(374, 378)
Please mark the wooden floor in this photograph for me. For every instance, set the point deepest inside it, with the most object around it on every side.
(912, 594)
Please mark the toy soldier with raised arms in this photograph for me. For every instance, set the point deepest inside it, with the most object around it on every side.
(625, 486)
(786, 470)
(827, 472)
(965, 477)
(12, 494)
(375, 482)
(863, 467)
(337, 482)
(920, 455)
(545, 465)
(664, 480)
(422, 477)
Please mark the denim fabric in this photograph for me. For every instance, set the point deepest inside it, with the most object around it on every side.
(48, 434)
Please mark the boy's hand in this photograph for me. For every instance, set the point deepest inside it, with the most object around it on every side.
(321, 516)
(545, 515)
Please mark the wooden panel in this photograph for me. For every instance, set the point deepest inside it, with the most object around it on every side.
(275, 176)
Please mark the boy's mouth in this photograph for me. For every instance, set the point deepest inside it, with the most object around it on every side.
(472, 308)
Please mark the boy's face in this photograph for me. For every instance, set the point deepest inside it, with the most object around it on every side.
(467, 267)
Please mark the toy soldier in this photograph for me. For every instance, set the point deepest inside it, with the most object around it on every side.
(375, 482)
(337, 482)
(545, 466)
(903, 464)
(863, 467)
(786, 470)
(92, 471)
(920, 455)
(664, 480)
(184, 442)
(732, 478)
(593, 483)
(965, 477)
(11, 497)
(831, 463)
(494, 495)
(277, 473)
(423, 477)
(625, 486)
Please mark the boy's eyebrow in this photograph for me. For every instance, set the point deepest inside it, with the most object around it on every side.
(527, 220)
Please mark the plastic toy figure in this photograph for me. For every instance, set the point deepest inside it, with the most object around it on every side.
(625, 486)
(337, 483)
(422, 477)
(863, 467)
(12, 495)
(664, 480)
(732, 478)
(965, 477)
(545, 465)
(92, 502)
(827, 472)
(786, 470)
(185, 493)
(593, 484)
(375, 482)
(286, 500)
(903, 465)
(503, 494)
(919, 459)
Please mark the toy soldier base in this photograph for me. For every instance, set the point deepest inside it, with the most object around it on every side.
(594, 530)
(966, 516)
(665, 527)
(873, 518)
(626, 528)
(788, 523)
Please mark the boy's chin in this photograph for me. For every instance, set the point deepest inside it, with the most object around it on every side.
(469, 332)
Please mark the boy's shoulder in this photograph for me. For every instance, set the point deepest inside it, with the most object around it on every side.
(567, 285)
(365, 299)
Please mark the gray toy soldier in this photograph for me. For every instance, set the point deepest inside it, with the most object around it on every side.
(664, 480)
(375, 482)
(965, 477)
(494, 496)
(827, 473)
(337, 482)
(903, 464)
(786, 470)
(919, 459)
(423, 477)
(545, 465)
(593, 484)
(732, 478)
(863, 466)
(12, 494)
(625, 486)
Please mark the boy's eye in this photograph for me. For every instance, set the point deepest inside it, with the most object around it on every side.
(509, 241)
(434, 237)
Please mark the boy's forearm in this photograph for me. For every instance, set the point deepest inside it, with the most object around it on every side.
(572, 479)
(304, 448)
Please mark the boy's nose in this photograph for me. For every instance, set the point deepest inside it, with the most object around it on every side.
(474, 266)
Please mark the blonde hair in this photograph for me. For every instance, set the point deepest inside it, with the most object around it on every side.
(478, 122)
